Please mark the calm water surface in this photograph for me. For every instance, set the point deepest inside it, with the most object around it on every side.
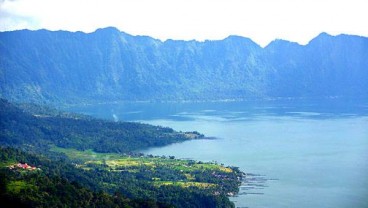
(314, 152)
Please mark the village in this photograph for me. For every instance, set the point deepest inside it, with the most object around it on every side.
(23, 166)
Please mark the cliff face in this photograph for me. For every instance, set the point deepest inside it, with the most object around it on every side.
(109, 65)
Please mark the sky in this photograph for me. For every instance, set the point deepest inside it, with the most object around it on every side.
(261, 20)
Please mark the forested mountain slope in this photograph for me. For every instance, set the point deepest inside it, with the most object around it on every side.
(109, 65)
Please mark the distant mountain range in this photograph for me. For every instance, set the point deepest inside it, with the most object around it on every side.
(108, 65)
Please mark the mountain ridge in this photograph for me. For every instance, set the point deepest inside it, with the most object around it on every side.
(109, 65)
(112, 28)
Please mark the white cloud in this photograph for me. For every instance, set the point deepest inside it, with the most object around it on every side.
(261, 20)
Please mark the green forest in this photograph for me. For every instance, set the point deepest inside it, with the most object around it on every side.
(25, 126)
(80, 161)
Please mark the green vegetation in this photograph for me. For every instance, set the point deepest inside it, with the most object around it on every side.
(162, 170)
(109, 65)
(86, 162)
(158, 180)
(28, 128)
(15, 187)
(47, 189)
(185, 184)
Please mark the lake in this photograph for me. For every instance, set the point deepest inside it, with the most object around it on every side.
(305, 153)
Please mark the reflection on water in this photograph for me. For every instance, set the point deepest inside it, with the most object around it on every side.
(306, 153)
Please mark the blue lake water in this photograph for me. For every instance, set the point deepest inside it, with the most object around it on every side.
(311, 153)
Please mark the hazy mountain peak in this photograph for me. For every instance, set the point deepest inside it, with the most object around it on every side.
(280, 42)
(322, 37)
(108, 29)
(110, 65)
(240, 39)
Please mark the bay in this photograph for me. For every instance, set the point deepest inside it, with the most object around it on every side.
(306, 153)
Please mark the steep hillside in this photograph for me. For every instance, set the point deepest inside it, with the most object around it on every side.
(109, 65)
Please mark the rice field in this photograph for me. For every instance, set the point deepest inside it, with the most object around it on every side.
(116, 162)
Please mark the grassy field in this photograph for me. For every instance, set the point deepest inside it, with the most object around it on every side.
(116, 161)
(188, 169)
(184, 184)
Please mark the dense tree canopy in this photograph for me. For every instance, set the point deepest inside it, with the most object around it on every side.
(21, 127)
(70, 176)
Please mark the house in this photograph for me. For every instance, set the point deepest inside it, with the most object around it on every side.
(24, 166)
